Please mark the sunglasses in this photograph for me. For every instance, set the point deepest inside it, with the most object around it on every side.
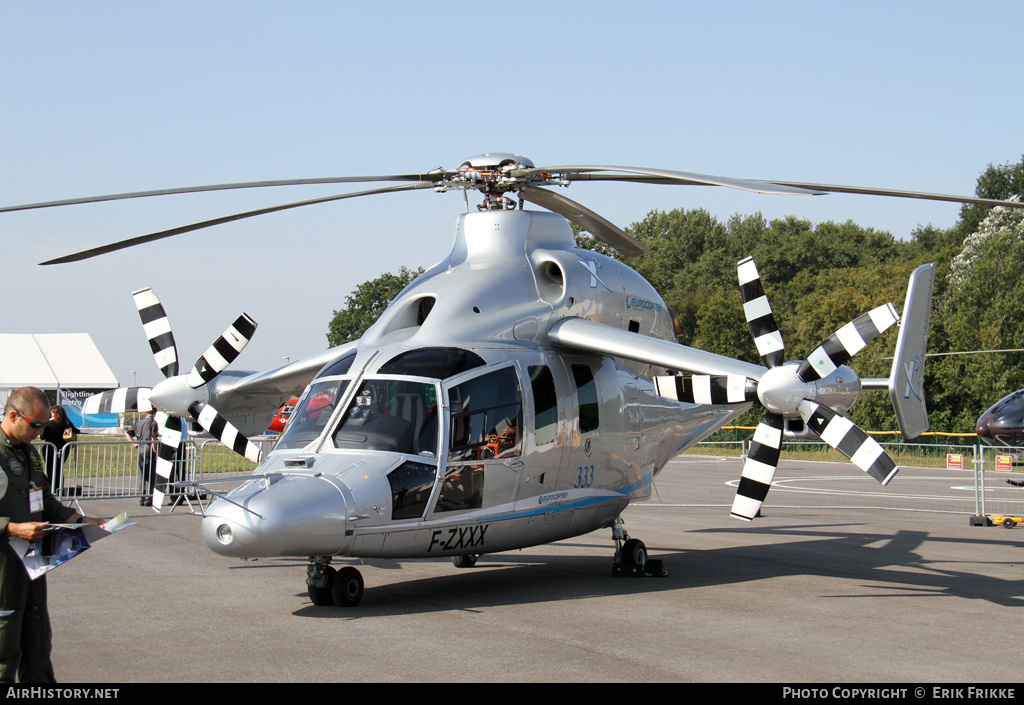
(34, 424)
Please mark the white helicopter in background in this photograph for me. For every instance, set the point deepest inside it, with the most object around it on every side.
(518, 392)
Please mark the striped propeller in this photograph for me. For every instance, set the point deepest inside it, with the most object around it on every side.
(158, 331)
(790, 391)
(179, 396)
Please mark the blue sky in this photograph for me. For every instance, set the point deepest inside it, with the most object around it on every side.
(107, 97)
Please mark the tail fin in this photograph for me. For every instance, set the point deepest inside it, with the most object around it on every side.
(906, 380)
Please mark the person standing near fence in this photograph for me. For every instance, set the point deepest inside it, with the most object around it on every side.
(26, 507)
(59, 431)
(144, 435)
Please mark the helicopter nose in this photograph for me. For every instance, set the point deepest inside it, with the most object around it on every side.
(983, 430)
(281, 515)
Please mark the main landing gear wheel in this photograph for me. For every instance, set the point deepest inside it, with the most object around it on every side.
(631, 557)
(634, 551)
(464, 561)
(347, 587)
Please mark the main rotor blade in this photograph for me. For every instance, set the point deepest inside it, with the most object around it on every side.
(436, 176)
(124, 244)
(896, 193)
(604, 230)
(683, 178)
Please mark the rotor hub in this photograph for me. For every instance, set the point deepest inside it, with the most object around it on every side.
(495, 174)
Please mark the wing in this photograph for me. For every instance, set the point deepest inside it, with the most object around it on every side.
(590, 336)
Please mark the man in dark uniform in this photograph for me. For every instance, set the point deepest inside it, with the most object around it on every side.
(26, 507)
(144, 436)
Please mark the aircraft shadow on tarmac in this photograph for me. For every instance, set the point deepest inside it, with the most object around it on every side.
(875, 563)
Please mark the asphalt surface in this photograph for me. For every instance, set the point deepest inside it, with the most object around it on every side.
(802, 595)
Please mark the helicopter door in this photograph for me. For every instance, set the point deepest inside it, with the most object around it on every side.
(485, 443)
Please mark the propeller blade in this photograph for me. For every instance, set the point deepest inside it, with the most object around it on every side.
(223, 351)
(604, 230)
(118, 401)
(158, 331)
(142, 239)
(432, 177)
(172, 429)
(707, 389)
(848, 438)
(759, 468)
(222, 429)
(758, 312)
(846, 342)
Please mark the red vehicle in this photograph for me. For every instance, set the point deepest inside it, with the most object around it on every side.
(281, 417)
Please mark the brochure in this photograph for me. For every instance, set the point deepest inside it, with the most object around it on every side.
(61, 543)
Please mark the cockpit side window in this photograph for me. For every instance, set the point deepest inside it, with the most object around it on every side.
(411, 486)
(337, 367)
(391, 415)
(312, 412)
(486, 416)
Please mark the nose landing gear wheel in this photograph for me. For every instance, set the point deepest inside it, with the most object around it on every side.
(347, 587)
(464, 561)
(321, 596)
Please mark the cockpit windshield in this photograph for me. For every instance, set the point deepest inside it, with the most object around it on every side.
(312, 413)
(393, 415)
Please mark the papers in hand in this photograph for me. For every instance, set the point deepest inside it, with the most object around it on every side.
(61, 543)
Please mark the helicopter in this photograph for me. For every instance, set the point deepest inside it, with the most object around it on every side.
(520, 391)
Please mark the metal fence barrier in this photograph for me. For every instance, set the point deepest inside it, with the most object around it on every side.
(108, 469)
(707, 476)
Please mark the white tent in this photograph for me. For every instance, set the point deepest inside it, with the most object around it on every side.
(68, 365)
(53, 361)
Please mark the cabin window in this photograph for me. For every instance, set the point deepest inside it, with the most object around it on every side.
(486, 416)
(391, 415)
(311, 414)
(586, 392)
(463, 488)
(545, 404)
(411, 486)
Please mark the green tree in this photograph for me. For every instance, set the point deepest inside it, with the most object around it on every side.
(995, 182)
(982, 310)
(365, 304)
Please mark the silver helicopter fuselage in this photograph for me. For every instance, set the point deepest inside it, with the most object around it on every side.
(461, 423)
